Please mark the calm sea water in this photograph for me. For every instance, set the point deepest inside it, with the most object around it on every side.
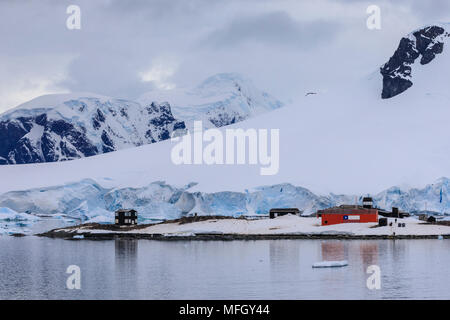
(35, 268)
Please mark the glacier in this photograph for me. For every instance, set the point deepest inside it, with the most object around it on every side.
(88, 201)
(12, 222)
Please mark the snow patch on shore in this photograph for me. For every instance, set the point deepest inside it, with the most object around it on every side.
(288, 224)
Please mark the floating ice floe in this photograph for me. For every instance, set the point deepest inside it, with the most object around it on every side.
(7, 214)
(12, 222)
(330, 264)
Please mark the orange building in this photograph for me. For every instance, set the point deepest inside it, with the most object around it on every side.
(348, 214)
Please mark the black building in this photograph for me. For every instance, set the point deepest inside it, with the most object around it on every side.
(368, 202)
(277, 212)
(125, 217)
(395, 213)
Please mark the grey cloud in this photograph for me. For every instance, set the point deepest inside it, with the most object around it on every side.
(119, 39)
(431, 11)
(275, 28)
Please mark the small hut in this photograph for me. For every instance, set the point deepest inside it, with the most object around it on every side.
(276, 212)
(126, 217)
(431, 219)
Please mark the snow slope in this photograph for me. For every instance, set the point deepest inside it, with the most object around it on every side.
(341, 141)
(289, 224)
(220, 100)
(295, 224)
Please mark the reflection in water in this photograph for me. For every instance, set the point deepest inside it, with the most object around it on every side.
(125, 248)
(284, 250)
(126, 255)
(369, 253)
(126, 263)
(398, 251)
(35, 268)
(333, 250)
(339, 250)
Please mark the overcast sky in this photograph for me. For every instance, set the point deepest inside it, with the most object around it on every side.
(126, 48)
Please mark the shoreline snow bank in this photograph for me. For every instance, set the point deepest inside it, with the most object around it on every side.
(284, 226)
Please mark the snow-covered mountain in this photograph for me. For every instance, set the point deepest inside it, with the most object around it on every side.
(345, 139)
(220, 100)
(65, 127)
(70, 126)
(419, 47)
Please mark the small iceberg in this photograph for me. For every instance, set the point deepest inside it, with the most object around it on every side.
(330, 264)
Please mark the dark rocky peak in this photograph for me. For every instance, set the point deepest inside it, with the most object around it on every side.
(425, 44)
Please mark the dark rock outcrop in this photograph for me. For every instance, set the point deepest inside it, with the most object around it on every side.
(425, 44)
(81, 128)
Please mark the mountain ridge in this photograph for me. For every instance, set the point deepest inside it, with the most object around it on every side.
(62, 127)
(81, 127)
(220, 100)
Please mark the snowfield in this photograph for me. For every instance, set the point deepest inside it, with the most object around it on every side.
(295, 224)
(346, 140)
(220, 100)
(321, 147)
(288, 224)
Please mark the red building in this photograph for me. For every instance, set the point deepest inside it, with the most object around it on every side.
(348, 214)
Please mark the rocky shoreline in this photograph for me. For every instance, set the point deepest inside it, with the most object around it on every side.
(233, 236)
(219, 228)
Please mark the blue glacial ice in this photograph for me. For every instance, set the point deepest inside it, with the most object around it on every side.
(12, 222)
(88, 201)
